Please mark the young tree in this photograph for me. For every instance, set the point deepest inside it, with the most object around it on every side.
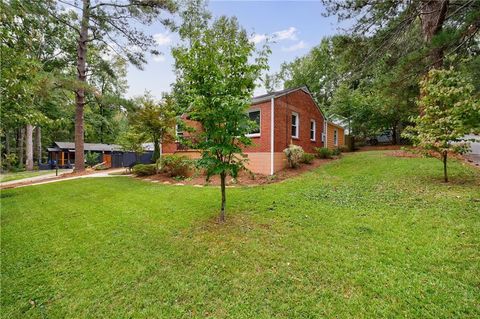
(217, 70)
(109, 22)
(155, 122)
(451, 111)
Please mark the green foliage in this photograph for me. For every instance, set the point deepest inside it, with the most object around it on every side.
(336, 151)
(295, 155)
(307, 158)
(152, 121)
(323, 152)
(92, 158)
(144, 169)
(9, 161)
(450, 110)
(216, 67)
(177, 166)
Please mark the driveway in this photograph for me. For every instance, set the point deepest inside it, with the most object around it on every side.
(473, 158)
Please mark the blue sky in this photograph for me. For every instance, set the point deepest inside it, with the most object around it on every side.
(296, 26)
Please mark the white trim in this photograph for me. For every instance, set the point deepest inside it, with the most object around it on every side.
(325, 124)
(259, 125)
(314, 130)
(335, 136)
(297, 124)
(272, 133)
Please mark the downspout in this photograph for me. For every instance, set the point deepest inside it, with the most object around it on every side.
(326, 131)
(272, 133)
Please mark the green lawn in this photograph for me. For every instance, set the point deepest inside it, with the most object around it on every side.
(368, 236)
(21, 175)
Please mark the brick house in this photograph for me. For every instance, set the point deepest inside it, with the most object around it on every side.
(295, 119)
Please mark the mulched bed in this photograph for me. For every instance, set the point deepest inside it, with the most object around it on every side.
(244, 179)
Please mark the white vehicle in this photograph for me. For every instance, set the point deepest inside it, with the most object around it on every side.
(386, 137)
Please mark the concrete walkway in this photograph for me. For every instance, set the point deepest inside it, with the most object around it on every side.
(50, 178)
(36, 178)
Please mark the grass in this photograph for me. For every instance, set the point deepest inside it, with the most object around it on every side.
(21, 175)
(368, 236)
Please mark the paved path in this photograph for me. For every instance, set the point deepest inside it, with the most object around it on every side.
(475, 158)
(39, 181)
(36, 178)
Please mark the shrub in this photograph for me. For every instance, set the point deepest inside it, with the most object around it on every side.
(91, 158)
(307, 158)
(100, 167)
(144, 169)
(336, 152)
(323, 152)
(294, 155)
(177, 166)
(343, 149)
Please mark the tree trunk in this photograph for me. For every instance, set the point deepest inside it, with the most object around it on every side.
(224, 199)
(80, 91)
(38, 144)
(7, 150)
(445, 176)
(394, 134)
(29, 147)
(20, 144)
(432, 16)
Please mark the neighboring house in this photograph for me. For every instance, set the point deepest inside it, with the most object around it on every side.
(335, 136)
(284, 117)
(63, 154)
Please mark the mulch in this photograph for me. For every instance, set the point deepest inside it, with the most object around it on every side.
(244, 178)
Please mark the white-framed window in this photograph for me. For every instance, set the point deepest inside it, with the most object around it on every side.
(295, 125)
(335, 137)
(313, 130)
(254, 115)
(178, 131)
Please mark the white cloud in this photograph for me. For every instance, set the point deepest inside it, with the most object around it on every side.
(159, 58)
(288, 34)
(257, 38)
(162, 38)
(298, 46)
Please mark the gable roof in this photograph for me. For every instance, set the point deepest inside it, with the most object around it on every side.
(276, 94)
(90, 146)
(268, 96)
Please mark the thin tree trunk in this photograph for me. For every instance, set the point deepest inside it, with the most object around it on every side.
(80, 92)
(445, 176)
(224, 199)
(29, 147)
(7, 150)
(20, 144)
(38, 144)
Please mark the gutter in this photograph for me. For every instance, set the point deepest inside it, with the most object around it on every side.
(272, 133)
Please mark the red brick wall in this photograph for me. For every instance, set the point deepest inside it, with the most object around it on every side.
(302, 104)
(261, 143)
(298, 102)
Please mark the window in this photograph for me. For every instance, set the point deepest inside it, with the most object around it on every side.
(178, 131)
(255, 117)
(294, 125)
(335, 137)
(313, 130)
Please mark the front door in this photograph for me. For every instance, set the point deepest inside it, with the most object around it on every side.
(107, 158)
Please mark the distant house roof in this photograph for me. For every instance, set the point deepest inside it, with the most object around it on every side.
(268, 96)
(90, 146)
